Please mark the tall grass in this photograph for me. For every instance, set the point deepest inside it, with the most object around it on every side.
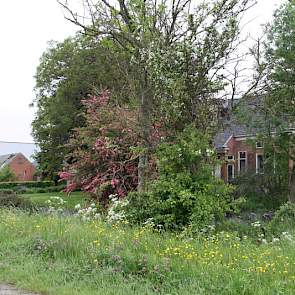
(54, 255)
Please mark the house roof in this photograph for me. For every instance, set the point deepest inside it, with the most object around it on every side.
(231, 125)
(6, 159)
(232, 129)
(27, 149)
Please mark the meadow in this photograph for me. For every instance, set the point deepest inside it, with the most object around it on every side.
(40, 199)
(50, 254)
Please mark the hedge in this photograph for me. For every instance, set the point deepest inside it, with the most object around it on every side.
(25, 184)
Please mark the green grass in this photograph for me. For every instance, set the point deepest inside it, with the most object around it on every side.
(73, 199)
(54, 255)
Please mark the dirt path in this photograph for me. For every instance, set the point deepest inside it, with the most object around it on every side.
(11, 290)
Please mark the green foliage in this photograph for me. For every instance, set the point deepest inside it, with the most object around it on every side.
(267, 190)
(31, 187)
(6, 174)
(68, 72)
(185, 192)
(14, 185)
(39, 199)
(280, 57)
(36, 190)
(272, 113)
(52, 255)
(284, 219)
(12, 200)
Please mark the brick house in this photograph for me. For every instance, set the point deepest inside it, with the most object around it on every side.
(234, 149)
(237, 154)
(23, 169)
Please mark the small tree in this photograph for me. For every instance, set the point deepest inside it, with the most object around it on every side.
(6, 174)
(104, 158)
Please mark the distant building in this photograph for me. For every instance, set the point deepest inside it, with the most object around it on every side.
(23, 169)
(237, 144)
(232, 144)
(27, 149)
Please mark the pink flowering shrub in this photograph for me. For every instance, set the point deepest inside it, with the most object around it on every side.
(104, 157)
(102, 161)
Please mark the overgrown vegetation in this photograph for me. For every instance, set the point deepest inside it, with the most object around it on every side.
(160, 222)
(67, 256)
(185, 191)
(10, 199)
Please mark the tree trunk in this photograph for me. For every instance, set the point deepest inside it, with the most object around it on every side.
(142, 172)
(291, 188)
(145, 128)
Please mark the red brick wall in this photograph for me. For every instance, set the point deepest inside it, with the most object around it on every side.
(22, 168)
(234, 147)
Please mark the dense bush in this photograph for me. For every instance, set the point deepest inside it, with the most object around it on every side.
(7, 191)
(267, 190)
(186, 192)
(27, 184)
(31, 187)
(284, 219)
(11, 199)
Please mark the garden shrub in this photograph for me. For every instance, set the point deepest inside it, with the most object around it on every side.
(267, 190)
(284, 219)
(186, 192)
(31, 187)
(12, 200)
(7, 191)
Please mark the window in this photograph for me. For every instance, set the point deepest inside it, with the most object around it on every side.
(217, 171)
(230, 157)
(259, 163)
(259, 145)
(242, 162)
(230, 172)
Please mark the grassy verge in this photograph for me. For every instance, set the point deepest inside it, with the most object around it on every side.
(53, 255)
(72, 200)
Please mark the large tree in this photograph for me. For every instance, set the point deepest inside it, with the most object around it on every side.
(67, 73)
(276, 91)
(178, 50)
(280, 101)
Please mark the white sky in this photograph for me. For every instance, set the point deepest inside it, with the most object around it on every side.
(25, 29)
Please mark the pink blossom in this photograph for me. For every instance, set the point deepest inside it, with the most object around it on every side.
(114, 182)
(64, 175)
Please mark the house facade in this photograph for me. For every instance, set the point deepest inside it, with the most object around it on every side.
(238, 156)
(237, 147)
(23, 169)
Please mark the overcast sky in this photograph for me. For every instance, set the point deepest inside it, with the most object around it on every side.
(25, 29)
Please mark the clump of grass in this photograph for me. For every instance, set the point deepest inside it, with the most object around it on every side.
(58, 255)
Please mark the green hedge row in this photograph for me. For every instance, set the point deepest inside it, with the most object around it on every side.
(33, 190)
(26, 184)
